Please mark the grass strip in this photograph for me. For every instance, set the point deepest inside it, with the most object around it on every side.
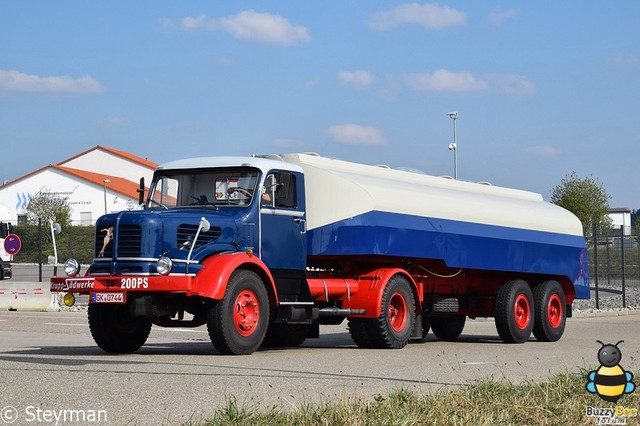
(560, 400)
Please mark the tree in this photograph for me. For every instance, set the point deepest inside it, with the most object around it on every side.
(48, 207)
(586, 198)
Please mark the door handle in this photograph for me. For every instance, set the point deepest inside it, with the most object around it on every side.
(302, 223)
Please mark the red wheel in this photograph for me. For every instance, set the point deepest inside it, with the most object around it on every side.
(522, 312)
(392, 329)
(554, 311)
(398, 312)
(246, 313)
(513, 313)
(550, 312)
(237, 324)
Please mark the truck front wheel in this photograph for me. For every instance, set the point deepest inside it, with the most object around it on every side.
(550, 316)
(237, 324)
(115, 330)
(514, 311)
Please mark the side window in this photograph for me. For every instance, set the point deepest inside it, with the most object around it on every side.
(279, 190)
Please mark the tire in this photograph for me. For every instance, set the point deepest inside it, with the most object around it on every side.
(550, 311)
(238, 323)
(449, 327)
(514, 312)
(282, 335)
(358, 329)
(115, 330)
(392, 329)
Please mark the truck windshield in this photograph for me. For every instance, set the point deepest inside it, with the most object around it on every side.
(212, 187)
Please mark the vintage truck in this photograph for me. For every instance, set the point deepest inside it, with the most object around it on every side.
(265, 249)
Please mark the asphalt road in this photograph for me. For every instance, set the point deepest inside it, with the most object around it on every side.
(48, 361)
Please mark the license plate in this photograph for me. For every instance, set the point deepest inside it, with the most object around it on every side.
(108, 298)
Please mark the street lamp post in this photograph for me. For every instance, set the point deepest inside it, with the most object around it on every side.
(106, 181)
(454, 146)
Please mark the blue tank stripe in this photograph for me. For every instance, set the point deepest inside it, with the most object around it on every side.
(458, 244)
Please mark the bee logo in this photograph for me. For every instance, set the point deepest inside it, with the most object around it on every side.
(610, 381)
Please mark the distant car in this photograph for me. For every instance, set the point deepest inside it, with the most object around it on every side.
(6, 270)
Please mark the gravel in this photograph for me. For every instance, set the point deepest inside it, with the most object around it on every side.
(609, 301)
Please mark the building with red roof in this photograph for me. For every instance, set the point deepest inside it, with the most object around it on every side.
(95, 181)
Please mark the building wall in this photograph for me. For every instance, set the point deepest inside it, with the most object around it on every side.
(87, 200)
(621, 220)
(99, 161)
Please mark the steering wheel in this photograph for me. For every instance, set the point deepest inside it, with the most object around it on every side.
(242, 191)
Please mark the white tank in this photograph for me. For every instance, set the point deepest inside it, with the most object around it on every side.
(337, 190)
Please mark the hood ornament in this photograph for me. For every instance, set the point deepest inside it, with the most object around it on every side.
(107, 239)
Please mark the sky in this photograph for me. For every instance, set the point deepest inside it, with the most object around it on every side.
(542, 89)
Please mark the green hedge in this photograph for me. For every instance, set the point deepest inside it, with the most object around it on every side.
(73, 241)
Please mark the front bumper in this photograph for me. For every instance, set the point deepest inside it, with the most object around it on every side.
(124, 284)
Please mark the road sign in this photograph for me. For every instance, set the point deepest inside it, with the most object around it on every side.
(12, 244)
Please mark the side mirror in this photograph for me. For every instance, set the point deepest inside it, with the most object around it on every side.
(56, 228)
(141, 191)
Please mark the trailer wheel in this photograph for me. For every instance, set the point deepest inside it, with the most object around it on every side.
(282, 335)
(448, 328)
(115, 330)
(550, 316)
(237, 324)
(514, 311)
(392, 329)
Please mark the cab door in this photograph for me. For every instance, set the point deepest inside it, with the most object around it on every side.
(283, 242)
(282, 221)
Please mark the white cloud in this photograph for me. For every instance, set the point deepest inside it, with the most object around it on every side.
(543, 151)
(449, 81)
(354, 134)
(513, 84)
(251, 25)
(15, 81)
(430, 15)
(497, 17)
(445, 81)
(359, 78)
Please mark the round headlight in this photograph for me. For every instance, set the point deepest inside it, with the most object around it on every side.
(164, 265)
(71, 267)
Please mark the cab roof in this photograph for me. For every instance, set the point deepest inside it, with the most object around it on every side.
(263, 164)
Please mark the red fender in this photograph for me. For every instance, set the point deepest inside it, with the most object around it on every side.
(370, 290)
(211, 281)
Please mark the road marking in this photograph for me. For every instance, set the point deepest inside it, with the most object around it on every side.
(478, 363)
(66, 324)
(186, 330)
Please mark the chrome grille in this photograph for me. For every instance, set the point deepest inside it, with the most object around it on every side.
(129, 242)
